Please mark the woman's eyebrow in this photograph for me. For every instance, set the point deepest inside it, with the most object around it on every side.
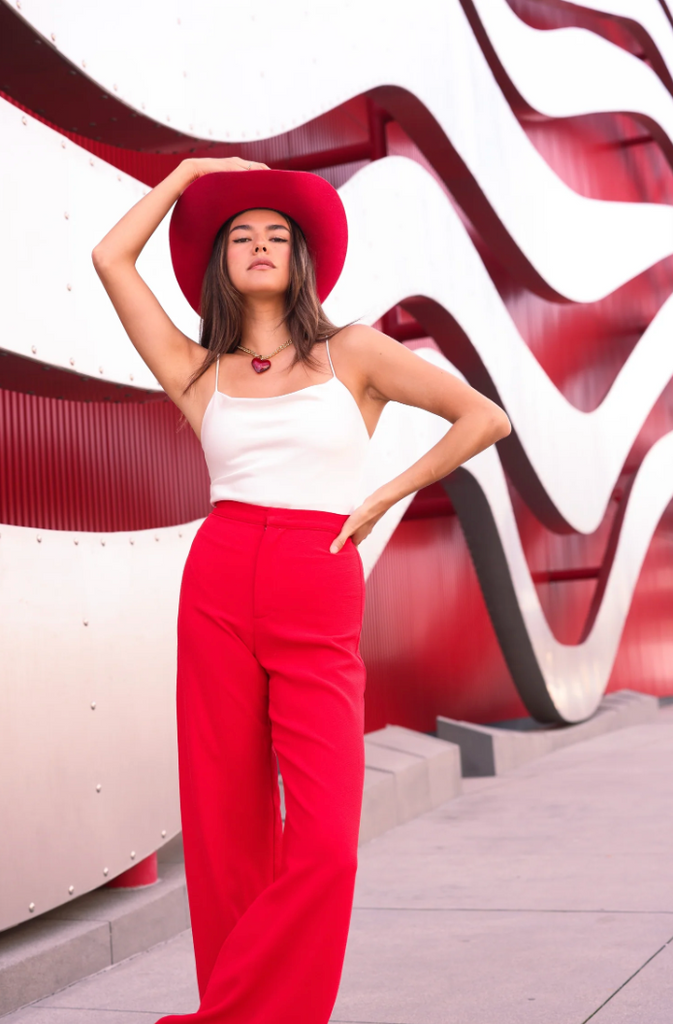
(269, 227)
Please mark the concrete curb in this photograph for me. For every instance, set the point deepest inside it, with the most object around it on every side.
(494, 750)
(407, 773)
(37, 958)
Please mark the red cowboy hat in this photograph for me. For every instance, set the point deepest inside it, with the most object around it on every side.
(210, 200)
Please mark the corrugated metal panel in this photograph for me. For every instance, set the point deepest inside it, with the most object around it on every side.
(97, 465)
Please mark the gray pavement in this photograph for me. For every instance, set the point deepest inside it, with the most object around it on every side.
(544, 896)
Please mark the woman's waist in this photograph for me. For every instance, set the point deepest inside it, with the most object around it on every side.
(280, 516)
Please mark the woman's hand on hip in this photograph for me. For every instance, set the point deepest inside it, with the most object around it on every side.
(360, 523)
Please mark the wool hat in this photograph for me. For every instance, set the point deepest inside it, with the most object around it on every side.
(210, 200)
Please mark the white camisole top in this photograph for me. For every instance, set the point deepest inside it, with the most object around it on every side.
(303, 450)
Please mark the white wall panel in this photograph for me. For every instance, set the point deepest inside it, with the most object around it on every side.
(56, 202)
(87, 619)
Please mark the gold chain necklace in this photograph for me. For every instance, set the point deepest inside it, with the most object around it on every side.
(259, 362)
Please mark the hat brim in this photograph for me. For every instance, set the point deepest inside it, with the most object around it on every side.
(210, 200)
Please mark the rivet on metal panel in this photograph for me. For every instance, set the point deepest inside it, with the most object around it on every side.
(85, 622)
(31, 907)
(69, 287)
(130, 376)
(83, 63)
(157, 538)
(66, 215)
(90, 162)
(53, 37)
(72, 361)
(98, 788)
(105, 871)
(102, 543)
(131, 541)
(75, 542)
(33, 349)
(133, 854)
(115, 88)
(179, 533)
(71, 889)
(163, 833)
(100, 369)
(63, 145)
(18, 4)
(38, 539)
(93, 705)
(24, 120)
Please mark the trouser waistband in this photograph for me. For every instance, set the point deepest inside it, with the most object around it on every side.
(288, 518)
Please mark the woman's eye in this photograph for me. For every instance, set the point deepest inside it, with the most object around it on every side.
(279, 239)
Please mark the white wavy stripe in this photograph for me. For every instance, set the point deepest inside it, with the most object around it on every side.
(604, 76)
(577, 675)
(649, 14)
(584, 249)
(577, 456)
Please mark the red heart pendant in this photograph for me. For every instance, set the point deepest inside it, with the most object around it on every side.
(260, 365)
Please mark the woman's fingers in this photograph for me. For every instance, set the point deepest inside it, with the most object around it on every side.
(340, 540)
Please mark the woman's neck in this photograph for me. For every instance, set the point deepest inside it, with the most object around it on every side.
(263, 327)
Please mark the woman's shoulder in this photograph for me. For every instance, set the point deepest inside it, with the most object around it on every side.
(358, 341)
(358, 350)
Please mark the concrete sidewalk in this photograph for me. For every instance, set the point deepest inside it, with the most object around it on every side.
(544, 896)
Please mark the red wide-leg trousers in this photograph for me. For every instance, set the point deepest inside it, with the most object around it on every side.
(269, 667)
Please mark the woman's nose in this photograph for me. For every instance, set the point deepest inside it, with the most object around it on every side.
(260, 247)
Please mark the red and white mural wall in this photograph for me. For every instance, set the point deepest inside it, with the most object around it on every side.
(507, 171)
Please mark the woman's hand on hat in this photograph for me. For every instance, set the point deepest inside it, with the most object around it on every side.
(207, 165)
(360, 523)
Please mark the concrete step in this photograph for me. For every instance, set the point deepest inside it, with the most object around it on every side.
(407, 773)
(494, 750)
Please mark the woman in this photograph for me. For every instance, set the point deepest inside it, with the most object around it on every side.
(284, 403)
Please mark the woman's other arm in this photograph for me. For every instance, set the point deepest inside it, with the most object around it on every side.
(391, 372)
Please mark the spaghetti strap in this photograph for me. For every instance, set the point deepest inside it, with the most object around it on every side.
(329, 357)
(217, 370)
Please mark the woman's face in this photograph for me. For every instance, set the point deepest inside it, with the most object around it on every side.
(258, 252)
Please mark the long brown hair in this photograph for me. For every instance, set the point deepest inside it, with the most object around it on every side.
(222, 303)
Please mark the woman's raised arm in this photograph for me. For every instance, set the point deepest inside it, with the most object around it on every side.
(171, 355)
